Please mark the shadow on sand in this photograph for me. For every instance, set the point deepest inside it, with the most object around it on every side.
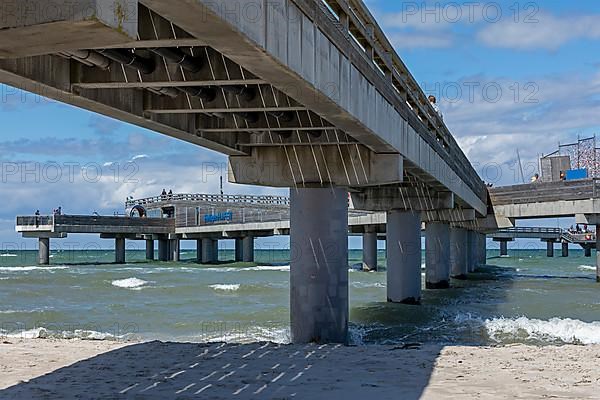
(157, 370)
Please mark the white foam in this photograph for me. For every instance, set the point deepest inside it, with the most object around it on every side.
(31, 268)
(566, 330)
(130, 283)
(282, 268)
(225, 287)
(250, 335)
(363, 285)
(587, 268)
(43, 333)
(8, 255)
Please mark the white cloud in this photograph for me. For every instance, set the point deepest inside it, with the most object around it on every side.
(550, 32)
(412, 40)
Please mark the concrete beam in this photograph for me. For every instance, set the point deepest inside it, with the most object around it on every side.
(353, 165)
(35, 27)
(416, 198)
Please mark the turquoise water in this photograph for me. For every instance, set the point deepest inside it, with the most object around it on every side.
(525, 298)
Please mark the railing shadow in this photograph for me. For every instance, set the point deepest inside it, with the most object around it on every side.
(157, 370)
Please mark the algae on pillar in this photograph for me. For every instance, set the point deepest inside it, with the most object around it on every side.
(403, 257)
(319, 265)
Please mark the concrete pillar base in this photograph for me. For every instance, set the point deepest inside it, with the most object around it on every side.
(44, 251)
(370, 251)
(458, 253)
(550, 249)
(199, 250)
(598, 253)
(587, 252)
(565, 249)
(437, 255)
(209, 255)
(120, 250)
(319, 265)
(175, 254)
(404, 257)
(248, 249)
(503, 248)
(163, 250)
(239, 250)
(149, 249)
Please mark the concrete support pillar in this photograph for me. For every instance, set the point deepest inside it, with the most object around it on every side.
(199, 250)
(550, 248)
(248, 246)
(149, 249)
(472, 251)
(587, 251)
(458, 253)
(319, 265)
(370, 251)
(174, 248)
(163, 250)
(598, 253)
(565, 249)
(437, 255)
(404, 257)
(239, 250)
(482, 249)
(44, 251)
(503, 248)
(120, 250)
(209, 255)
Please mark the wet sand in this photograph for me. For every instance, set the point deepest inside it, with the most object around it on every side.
(51, 369)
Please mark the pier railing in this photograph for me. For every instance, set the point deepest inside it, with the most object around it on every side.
(211, 198)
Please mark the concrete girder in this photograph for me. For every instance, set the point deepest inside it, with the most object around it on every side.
(50, 76)
(346, 166)
(417, 198)
(29, 28)
(305, 58)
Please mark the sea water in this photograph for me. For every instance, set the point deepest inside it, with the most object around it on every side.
(524, 298)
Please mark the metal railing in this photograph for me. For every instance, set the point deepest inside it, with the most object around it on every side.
(37, 220)
(211, 198)
(556, 231)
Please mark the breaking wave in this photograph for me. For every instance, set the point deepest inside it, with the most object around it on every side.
(567, 330)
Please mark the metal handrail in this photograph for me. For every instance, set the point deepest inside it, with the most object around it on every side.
(211, 198)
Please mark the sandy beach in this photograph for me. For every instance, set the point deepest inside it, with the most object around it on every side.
(52, 369)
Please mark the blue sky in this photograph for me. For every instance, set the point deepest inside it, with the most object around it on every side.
(545, 61)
